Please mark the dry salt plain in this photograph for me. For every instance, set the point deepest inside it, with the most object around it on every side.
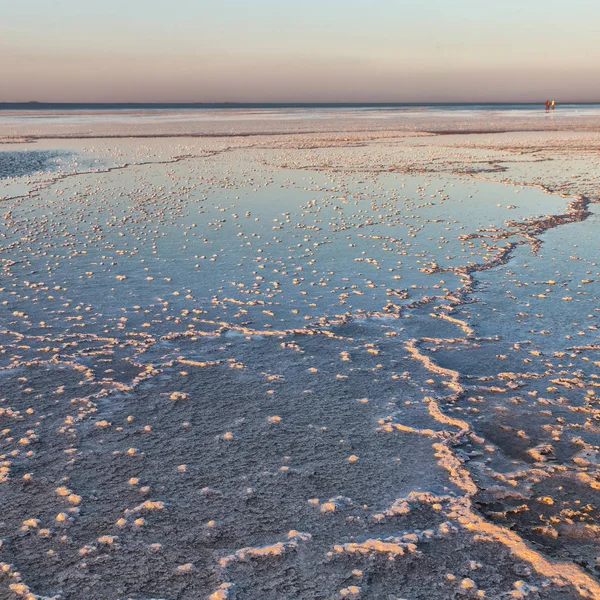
(305, 365)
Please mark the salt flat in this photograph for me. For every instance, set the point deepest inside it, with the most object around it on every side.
(340, 359)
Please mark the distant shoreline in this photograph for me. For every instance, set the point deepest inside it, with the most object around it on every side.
(237, 120)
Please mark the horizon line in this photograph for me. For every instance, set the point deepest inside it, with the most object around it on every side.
(37, 104)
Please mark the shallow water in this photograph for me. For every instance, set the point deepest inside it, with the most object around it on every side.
(266, 371)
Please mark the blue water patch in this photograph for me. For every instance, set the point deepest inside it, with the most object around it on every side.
(25, 162)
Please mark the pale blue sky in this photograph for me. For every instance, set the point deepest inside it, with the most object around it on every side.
(309, 50)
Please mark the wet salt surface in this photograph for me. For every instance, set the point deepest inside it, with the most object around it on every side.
(300, 369)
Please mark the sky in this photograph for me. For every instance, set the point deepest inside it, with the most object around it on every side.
(299, 50)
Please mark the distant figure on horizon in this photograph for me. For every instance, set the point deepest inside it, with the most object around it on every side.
(552, 104)
(547, 105)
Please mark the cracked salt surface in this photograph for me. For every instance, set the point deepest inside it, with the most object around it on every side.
(300, 367)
